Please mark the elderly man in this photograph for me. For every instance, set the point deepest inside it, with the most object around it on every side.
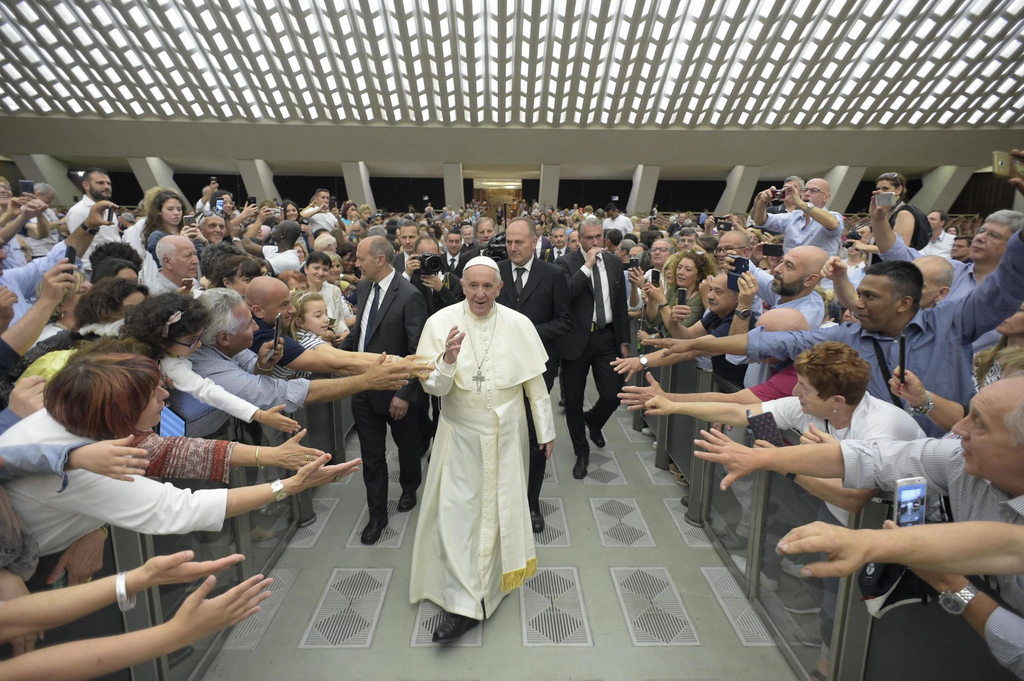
(474, 543)
(225, 358)
(43, 233)
(213, 228)
(559, 247)
(808, 223)
(178, 263)
(981, 472)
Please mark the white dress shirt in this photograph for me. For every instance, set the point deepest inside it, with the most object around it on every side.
(603, 273)
(384, 284)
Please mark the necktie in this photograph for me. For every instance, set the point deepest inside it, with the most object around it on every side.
(598, 296)
(519, 281)
(451, 264)
(371, 314)
(558, 254)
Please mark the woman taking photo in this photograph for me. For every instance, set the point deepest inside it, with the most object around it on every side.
(906, 220)
(683, 272)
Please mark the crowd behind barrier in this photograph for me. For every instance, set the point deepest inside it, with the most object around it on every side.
(267, 321)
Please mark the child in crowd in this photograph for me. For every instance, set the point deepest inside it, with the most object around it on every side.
(169, 328)
(310, 321)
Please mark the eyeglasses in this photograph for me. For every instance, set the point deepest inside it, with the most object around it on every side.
(194, 344)
(889, 176)
(989, 233)
(811, 190)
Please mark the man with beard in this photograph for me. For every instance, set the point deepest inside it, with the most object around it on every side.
(792, 282)
(95, 184)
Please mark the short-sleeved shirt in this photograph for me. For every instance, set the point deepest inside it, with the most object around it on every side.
(780, 384)
(282, 261)
(799, 232)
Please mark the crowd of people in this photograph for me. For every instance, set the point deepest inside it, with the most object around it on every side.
(231, 315)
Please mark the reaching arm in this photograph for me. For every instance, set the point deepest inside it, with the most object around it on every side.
(26, 330)
(712, 412)
(379, 376)
(817, 460)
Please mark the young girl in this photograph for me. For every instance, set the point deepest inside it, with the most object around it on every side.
(309, 323)
(169, 328)
(318, 267)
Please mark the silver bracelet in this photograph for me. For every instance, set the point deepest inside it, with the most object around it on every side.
(121, 586)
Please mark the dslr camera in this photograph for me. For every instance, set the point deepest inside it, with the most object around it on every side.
(430, 263)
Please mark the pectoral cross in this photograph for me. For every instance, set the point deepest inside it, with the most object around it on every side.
(479, 378)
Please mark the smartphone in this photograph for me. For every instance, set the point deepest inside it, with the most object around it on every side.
(188, 283)
(634, 263)
(680, 297)
(772, 250)
(333, 203)
(61, 582)
(885, 199)
(903, 355)
(71, 254)
(26, 187)
(655, 278)
(910, 506)
(213, 179)
(277, 332)
(739, 266)
(1005, 165)
(112, 214)
(250, 200)
(764, 427)
(220, 205)
(778, 195)
(190, 220)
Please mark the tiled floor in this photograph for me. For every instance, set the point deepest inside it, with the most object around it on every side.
(624, 591)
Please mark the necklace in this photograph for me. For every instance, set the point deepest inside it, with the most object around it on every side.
(479, 377)
(61, 326)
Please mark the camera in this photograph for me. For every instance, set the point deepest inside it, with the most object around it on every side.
(885, 199)
(430, 263)
(777, 196)
(496, 249)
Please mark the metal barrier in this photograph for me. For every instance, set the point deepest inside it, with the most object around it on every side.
(261, 535)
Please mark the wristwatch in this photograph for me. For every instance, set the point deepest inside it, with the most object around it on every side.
(277, 487)
(926, 406)
(955, 602)
(93, 231)
(743, 314)
(643, 361)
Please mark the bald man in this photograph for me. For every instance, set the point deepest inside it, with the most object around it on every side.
(178, 263)
(809, 224)
(938, 276)
(791, 284)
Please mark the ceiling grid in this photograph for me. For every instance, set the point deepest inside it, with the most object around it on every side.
(629, 64)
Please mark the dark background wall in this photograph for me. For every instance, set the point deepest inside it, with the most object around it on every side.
(396, 193)
(596, 193)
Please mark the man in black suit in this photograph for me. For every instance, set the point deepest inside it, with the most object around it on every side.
(391, 317)
(408, 232)
(599, 335)
(558, 247)
(536, 289)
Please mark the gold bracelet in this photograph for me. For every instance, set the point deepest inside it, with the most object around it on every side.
(258, 456)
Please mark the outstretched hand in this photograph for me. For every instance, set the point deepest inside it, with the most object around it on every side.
(846, 549)
(636, 396)
(113, 458)
(738, 460)
(198, 617)
(177, 568)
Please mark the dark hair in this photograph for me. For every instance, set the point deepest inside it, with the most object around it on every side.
(964, 237)
(610, 207)
(104, 302)
(943, 215)
(345, 247)
(110, 267)
(115, 249)
(153, 219)
(91, 171)
(905, 279)
(101, 396)
(284, 207)
(148, 323)
(215, 254)
(897, 179)
(614, 236)
(318, 258)
(232, 268)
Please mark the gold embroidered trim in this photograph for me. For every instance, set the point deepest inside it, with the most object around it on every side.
(514, 580)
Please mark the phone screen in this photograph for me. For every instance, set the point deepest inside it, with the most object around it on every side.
(910, 505)
(739, 266)
(250, 200)
(26, 187)
(220, 205)
(71, 254)
(655, 278)
(772, 250)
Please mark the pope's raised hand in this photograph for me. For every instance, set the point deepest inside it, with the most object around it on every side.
(453, 344)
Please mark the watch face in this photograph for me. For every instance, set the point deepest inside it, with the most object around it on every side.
(952, 603)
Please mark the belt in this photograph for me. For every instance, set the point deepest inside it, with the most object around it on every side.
(594, 327)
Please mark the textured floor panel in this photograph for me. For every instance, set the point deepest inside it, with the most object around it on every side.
(745, 622)
(695, 537)
(348, 611)
(552, 609)
(556, 530)
(248, 633)
(604, 470)
(306, 537)
(626, 423)
(620, 522)
(390, 538)
(657, 476)
(550, 473)
(654, 611)
(428, 616)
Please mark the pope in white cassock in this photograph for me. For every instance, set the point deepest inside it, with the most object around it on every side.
(474, 540)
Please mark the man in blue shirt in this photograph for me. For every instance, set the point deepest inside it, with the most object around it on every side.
(809, 224)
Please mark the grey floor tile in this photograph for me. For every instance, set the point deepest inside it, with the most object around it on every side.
(654, 611)
(604, 470)
(693, 536)
(247, 634)
(745, 622)
(306, 537)
(428, 616)
(626, 423)
(620, 522)
(552, 609)
(349, 609)
(657, 475)
(556, 529)
(390, 538)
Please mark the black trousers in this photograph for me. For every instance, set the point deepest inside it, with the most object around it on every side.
(598, 355)
(538, 461)
(372, 429)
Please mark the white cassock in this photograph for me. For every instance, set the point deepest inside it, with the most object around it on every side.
(474, 539)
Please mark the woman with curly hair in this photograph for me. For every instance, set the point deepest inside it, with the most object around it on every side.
(681, 305)
(168, 329)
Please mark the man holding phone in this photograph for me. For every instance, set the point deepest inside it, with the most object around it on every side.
(95, 185)
(809, 223)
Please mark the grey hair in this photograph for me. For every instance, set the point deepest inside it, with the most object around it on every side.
(164, 246)
(671, 247)
(1014, 422)
(592, 221)
(221, 304)
(627, 244)
(323, 239)
(377, 230)
(795, 178)
(944, 275)
(382, 247)
(44, 188)
(1010, 218)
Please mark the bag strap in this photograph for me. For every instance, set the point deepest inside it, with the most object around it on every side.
(880, 356)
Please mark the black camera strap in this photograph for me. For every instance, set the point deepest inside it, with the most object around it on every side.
(886, 375)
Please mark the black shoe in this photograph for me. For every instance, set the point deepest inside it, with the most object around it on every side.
(406, 502)
(453, 627)
(538, 522)
(595, 433)
(579, 471)
(373, 530)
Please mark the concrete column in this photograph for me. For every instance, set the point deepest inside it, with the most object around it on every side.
(641, 196)
(454, 193)
(43, 168)
(357, 183)
(259, 181)
(739, 190)
(1018, 201)
(941, 187)
(843, 181)
(550, 175)
(153, 172)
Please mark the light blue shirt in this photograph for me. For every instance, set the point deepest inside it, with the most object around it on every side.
(964, 281)
(24, 280)
(802, 230)
(811, 306)
(938, 340)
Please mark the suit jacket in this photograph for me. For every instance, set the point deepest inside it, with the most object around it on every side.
(544, 300)
(548, 254)
(464, 258)
(399, 262)
(448, 295)
(544, 243)
(581, 296)
(396, 330)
